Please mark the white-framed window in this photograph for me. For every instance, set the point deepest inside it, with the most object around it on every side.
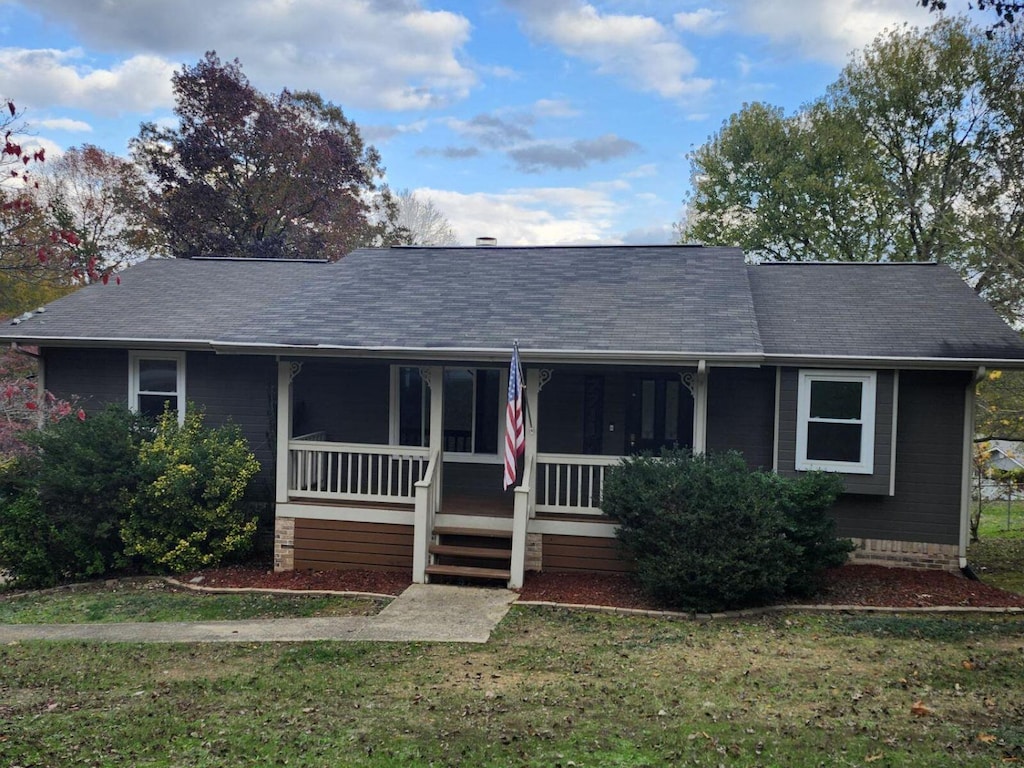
(835, 428)
(156, 380)
(473, 425)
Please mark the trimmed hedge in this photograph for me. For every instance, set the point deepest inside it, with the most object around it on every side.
(709, 534)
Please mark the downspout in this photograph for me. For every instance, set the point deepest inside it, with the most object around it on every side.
(966, 469)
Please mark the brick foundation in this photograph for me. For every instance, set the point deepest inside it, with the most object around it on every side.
(534, 551)
(906, 554)
(284, 544)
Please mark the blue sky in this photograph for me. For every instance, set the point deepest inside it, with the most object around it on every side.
(533, 121)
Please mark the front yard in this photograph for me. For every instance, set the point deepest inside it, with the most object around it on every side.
(552, 688)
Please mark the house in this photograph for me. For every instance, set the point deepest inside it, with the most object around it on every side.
(373, 389)
(998, 457)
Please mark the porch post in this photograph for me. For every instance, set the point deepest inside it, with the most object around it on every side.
(700, 409)
(285, 374)
(428, 499)
(533, 386)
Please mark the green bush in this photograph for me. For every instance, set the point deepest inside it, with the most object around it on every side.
(187, 512)
(709, 534)
(63, 503)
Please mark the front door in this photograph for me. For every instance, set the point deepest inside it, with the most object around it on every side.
(659, 414)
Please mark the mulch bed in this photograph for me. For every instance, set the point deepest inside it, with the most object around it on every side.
(861, 585)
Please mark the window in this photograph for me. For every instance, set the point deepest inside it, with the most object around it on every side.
(659, 414)
(157, 380)
(472, 410)
(836, 421)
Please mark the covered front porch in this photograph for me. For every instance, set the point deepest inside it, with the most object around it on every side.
(396, 466)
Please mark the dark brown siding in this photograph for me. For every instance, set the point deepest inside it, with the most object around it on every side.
(349, 401)
(560, 421)
(741, 413)
(583, 553)
(875, 483)
(929, 450)
(96, 377)
(333, 545)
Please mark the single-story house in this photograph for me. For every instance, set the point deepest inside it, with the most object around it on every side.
(373, 389)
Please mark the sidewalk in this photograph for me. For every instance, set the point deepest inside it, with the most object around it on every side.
(423, 612)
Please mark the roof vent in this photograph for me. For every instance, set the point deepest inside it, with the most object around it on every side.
(486, 242)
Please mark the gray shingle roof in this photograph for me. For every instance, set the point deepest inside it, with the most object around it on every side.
(876, 310)
(607, 301)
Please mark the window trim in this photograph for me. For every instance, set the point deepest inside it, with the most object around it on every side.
(133, 379)
(868, 404)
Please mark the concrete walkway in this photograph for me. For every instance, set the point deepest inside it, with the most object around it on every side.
(423, 612)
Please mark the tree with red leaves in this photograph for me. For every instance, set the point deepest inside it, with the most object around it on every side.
(251, 175)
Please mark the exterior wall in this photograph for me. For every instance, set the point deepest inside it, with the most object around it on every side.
(582, 553)
(741, 413)
(875, 483)
(97, 377)
(929, 446)
(349, 401)
(335, 545)
(906, 554)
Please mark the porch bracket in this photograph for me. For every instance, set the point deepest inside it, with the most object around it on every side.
(689, 380)
(425, 376)
(294, 369)
(544, 378)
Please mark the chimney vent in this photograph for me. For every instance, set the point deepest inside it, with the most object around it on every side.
(486, 242)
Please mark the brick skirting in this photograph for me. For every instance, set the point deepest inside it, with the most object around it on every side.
(906, 554)
(284, 544)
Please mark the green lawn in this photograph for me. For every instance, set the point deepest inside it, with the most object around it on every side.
(157, 601)
(998, 557)
(552, 688)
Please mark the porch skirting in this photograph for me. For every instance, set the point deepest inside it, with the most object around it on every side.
(304, 543)
(906, 554)
(583, 554)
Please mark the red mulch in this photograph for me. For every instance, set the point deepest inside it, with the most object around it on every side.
(864, 585)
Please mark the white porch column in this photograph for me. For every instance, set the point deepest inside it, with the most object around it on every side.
(535, 379)
(286, 371)
(700, 409)
(428, 499)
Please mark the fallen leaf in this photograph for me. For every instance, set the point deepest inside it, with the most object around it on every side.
(969, 665)
(872, 758)
(920, 709)
(986, 738)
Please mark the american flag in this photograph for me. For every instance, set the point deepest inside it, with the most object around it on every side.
(515, 436)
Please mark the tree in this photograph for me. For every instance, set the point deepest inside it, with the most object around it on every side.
(33, 246)
(247, 174)
(104, 199)
(910, 156)
(420, 222)
(1006, 13)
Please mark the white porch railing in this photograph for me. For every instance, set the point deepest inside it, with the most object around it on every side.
(354, 471)
(570, 483)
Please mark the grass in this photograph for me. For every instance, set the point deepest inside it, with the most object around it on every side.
(157, 601)
(998, 557)
(552, 688)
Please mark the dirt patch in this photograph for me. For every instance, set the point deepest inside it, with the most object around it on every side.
(863, 585)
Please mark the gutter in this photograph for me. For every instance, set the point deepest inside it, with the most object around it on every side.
(966, 474)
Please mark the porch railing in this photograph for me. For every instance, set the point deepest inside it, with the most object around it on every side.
(570, 483)
(353, 471)
(522, 512)
(428, 502)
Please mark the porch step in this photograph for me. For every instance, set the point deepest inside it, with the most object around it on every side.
(447, 530)
(483, 553)
(468, 572)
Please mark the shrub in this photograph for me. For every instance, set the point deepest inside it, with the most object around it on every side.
(708, 534)
(63, 501)
(187, 512)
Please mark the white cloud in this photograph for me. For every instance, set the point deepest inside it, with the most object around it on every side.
(554, 108)
(637, 49)
(529, 216)
(392, 55)
(824, 31)
(50, 77)
(701, 21)
(64, 124)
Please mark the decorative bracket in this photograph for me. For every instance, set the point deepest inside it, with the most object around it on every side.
(425, 376)
(689, 380)
(294, 370)
(544, 378)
